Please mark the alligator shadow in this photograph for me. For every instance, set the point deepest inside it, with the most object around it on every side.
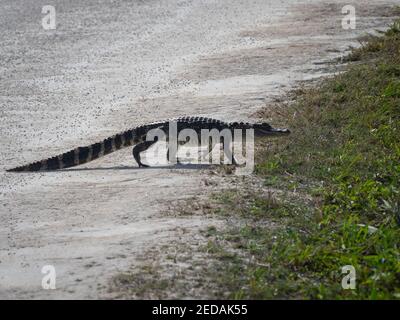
(171, 167)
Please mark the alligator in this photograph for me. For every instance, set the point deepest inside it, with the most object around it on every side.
(137, 137)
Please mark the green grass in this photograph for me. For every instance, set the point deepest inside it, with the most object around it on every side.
(331, 198)
(343, 161)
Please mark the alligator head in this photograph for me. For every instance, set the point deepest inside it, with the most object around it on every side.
(264, 129)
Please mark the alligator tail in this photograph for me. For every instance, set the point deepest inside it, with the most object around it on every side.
(82, 155)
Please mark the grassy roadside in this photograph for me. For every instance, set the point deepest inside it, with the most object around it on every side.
(325, 197)
(343, 163)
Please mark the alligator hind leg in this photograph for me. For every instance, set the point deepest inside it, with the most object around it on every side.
(180, 143)
(168, 158)
(143, 146)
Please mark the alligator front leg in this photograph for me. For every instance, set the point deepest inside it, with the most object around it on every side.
(228, 151)
(141, 147)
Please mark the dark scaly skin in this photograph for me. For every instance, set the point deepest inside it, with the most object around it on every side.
(137, 137)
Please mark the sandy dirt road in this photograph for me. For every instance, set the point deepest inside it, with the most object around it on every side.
(108, 66)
